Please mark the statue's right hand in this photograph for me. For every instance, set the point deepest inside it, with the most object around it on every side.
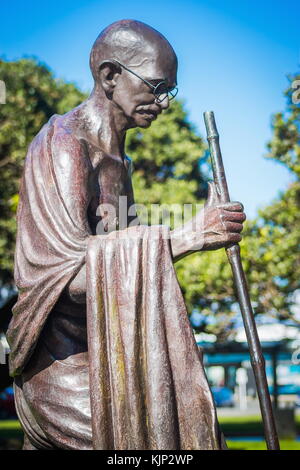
(218, 225)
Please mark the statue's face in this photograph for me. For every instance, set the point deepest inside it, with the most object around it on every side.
(136, 98)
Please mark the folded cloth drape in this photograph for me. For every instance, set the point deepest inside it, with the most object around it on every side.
(51, 243)
(147, 381)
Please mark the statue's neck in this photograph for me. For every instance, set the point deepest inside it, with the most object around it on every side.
(101, 124)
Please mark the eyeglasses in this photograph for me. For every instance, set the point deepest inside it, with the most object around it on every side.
(160, 90)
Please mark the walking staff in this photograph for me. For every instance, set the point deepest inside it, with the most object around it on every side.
(233, 254)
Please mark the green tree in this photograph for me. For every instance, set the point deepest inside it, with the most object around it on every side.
(270, 247)
(275, 235)
(33, 96)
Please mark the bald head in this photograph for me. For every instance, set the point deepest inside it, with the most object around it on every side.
(133, 43)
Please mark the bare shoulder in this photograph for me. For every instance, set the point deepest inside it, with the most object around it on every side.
(65, 141)
(71, 165)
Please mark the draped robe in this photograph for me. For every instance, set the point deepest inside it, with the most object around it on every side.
(122, 371)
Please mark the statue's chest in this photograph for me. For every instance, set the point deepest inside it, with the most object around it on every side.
(113, 181)
(109, 188)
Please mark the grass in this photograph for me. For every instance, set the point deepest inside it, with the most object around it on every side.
(11, 435)
(241, 425)
(245, 425)
(11, 427)
(245, 445)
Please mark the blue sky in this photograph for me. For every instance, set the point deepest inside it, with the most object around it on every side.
(234, 58)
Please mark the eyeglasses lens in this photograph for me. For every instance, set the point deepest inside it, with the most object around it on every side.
(161, 92)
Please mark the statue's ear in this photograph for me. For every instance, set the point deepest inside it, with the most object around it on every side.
(109, 71)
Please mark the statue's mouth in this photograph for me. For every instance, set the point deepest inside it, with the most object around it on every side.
(148, 115)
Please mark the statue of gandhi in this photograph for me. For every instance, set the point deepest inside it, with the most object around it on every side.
(101, 347)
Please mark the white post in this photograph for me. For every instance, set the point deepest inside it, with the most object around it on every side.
(2, 92)
(242, 379)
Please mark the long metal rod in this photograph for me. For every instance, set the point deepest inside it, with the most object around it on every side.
(233, 254)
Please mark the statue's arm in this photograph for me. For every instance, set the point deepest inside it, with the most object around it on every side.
(215, 226)
(72, 170)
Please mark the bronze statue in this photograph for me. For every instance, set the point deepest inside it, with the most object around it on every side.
(102, 351)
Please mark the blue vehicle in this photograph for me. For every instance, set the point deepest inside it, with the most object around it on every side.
(7, 404)
(223, 396)
(287, 389)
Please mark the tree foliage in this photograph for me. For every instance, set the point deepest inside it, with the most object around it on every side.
(276, 267)
(270, 248)
(33, 96)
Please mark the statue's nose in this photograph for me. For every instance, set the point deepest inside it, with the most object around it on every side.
(164, 104)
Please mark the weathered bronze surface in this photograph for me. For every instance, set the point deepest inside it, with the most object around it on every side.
(101, 348)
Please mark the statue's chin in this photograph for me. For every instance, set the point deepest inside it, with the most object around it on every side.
(144, 122)
(145, 125)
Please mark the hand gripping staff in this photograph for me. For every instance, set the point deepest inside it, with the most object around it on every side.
(233, 254)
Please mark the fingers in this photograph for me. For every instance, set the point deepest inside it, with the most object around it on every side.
(232, 238)
(232, 233)
(233, 206)
(233, 227)
(233, 212)
(237, 217)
